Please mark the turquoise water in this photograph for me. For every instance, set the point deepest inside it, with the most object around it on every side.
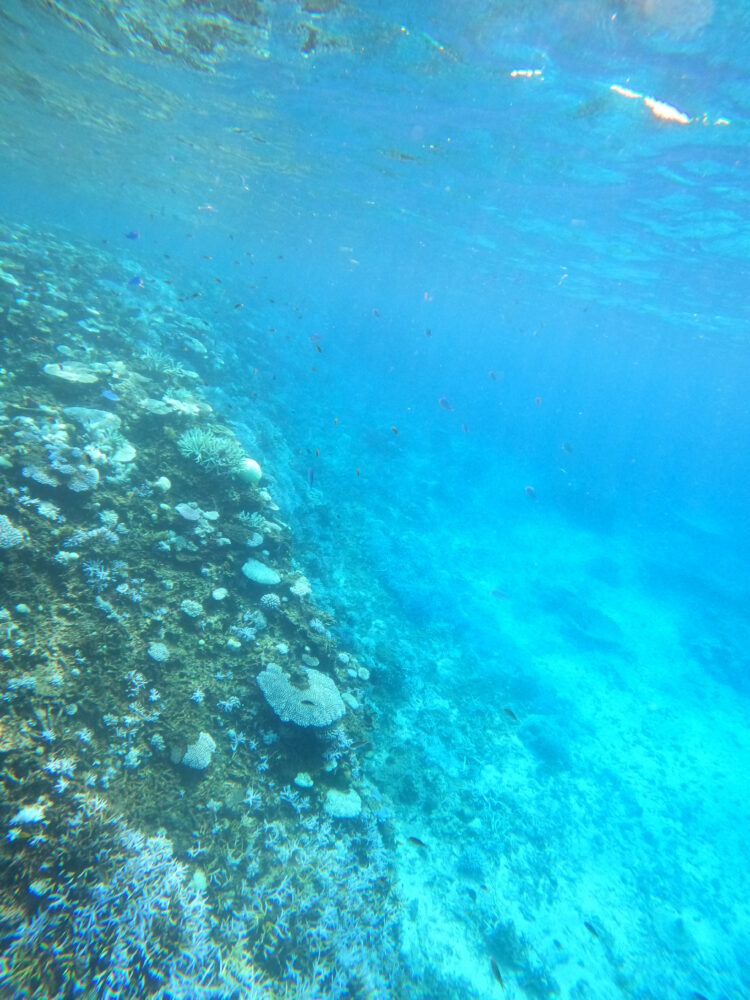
(469, 282)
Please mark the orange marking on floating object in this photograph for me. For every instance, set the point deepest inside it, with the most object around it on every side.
(625, 91)
(666, 112)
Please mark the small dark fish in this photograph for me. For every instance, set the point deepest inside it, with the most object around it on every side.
(358, 473)
(417, 842)
(112, 396)
(590, 928)
(132, 235)
(493, 376)
(699, 996)
(428, 332)
(306, 701)
(499, 595)
(530, 492)
(464, 429)
(511, 714)
(239, 305)
(566, 447)
(136, 282)
(317, 452)
(445, 404)
(360, 745)
(496, 971)
(314, 337)
(375, 313)
(538, 400)
(395, 430)
(310, 476)
(318, 348)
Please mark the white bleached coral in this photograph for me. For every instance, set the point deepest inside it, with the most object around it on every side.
(198, 755)
(9, 535)
(343, 805)
(258, 572)
(72, 371)
(318, 704)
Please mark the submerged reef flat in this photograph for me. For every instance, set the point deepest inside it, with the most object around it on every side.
(166, 826)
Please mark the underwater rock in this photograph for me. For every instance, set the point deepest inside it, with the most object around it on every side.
(258, 572)
(303, 780)
(163, 484)
(319, 704)
(343, 805)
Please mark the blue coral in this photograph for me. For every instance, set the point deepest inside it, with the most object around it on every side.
(131, 924)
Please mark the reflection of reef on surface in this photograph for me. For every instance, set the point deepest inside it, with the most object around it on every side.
(203, 35)
(153, 806)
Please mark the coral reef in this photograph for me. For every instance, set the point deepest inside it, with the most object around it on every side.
(150, 826)
(315, 702)
(213, 452)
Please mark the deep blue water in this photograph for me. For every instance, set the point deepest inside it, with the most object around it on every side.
(492, 355)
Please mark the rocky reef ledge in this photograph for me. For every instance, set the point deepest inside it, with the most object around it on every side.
(185, 810)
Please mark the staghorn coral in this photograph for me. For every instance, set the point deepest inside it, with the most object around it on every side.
(213, 452)
(124, 917)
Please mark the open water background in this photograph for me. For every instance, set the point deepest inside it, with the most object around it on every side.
(568, 274)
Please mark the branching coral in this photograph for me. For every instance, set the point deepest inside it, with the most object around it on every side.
(213, 452)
